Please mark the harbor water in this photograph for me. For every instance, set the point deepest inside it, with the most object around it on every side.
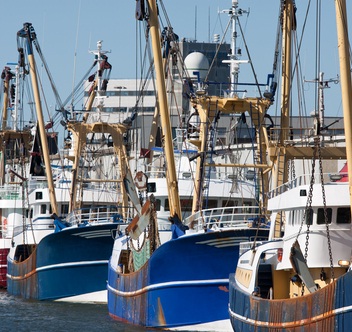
(17, 314)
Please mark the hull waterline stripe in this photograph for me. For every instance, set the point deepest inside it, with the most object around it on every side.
(168, 284)
(298, 323)
(94, 233)
(227, 239)
(95, 236)
(55, 266)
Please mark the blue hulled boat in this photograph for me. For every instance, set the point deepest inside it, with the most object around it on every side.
(61, 249)
(182, 283)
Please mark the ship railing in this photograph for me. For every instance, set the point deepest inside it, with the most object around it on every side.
(226, 217)
(253, 245)
(156, 172)
(220, 174)
(302, 136)
(245, 246)
(10, 191)
(98, 215)
(29, 227)
(305, 180)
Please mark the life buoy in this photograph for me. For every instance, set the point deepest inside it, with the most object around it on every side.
(141, 180)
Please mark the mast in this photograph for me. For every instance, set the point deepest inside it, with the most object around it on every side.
(286, 70)
(80, 132)
(209, 106)
(235, 53)
(279, 174)
(8, 75)
(29, 34)
(204, 116)
(17, 105)
(175, 207)
(345, 76)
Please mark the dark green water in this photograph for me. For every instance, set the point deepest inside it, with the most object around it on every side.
(20, 315)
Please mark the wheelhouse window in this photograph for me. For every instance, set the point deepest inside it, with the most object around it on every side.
(230, 203)
(64, 209)
(247, 208)
(343, 216)
(157, 204)
(39, 195)
(43, 209)
(309, 216)
(187, 204)
(210, 204)
(321, 216)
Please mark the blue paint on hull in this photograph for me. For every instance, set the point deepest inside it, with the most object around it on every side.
(185, 282)
(64, 264)
(327, 310)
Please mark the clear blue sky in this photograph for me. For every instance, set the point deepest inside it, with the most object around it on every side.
(68, 29)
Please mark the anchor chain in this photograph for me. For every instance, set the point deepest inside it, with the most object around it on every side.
(326, 214)
(293, 170)
(309, 203)
(308, 209)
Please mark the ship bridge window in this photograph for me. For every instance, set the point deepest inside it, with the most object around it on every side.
(43, 209)
(157, 204)
(39, 195)
(64, 209)
(185, 203)
(309, 216)
(229, 203)
(343, 216)
(321, 216)
(247, 208)
(210, 204)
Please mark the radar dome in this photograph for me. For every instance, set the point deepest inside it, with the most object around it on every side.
(196, 62)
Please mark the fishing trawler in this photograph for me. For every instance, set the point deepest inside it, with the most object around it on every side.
(16, 137)
(300, 279)
(149, 278)
(61, 252)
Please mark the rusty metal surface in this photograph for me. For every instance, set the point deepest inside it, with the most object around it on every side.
(23, 277)
(328, 309)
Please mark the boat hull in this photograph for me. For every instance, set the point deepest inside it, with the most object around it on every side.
(183, 284)
(67, 264)
(327, 310)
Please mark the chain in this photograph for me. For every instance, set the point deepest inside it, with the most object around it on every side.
(309, 202)
(307, 215)
(293, 171)
(326, 214)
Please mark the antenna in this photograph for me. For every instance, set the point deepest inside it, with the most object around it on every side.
(195, 24)
(234, 61)
(75, 55)
(209, 24)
